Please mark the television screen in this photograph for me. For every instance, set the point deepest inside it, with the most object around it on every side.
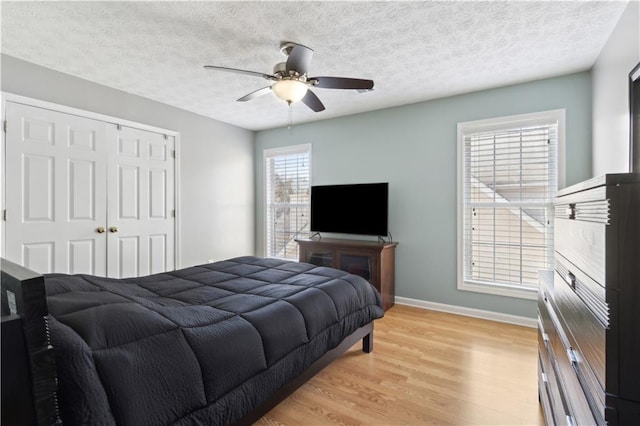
(350, 209)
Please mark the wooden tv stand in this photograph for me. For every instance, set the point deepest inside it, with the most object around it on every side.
(372, 260)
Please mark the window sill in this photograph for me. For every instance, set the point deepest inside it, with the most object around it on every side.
(499, 290)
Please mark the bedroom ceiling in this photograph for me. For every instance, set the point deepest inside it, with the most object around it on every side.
(414, 51)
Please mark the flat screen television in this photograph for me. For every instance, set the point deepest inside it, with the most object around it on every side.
(360, 209)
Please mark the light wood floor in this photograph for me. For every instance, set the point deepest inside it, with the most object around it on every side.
(426, 368)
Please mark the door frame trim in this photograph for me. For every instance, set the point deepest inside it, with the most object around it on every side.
(6, 97)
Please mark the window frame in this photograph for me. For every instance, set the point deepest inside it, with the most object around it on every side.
(266, 155)
(496, 124)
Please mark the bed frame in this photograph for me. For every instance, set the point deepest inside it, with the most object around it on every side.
(29, 381)
(365, 333)
(29, 387)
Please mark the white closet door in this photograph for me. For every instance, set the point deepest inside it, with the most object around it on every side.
(55, 191)
(140, 214)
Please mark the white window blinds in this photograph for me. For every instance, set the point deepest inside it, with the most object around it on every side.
(509, 180)
(287, 199)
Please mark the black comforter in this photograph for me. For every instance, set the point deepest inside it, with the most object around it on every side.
(202, 345)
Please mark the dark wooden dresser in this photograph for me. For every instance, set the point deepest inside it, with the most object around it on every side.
(589, 306)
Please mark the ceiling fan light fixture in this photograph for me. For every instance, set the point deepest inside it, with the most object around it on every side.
(290, 91)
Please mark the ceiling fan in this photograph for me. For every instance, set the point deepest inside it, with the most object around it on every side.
(291, 82)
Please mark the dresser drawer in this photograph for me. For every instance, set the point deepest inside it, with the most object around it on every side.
(592, 294)
(549, 389)
(580, 234)
(549, 394)
(583, 342)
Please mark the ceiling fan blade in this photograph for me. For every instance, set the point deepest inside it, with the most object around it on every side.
(299, 59)
(312, 101)
(255, 94)
(237, 71)
(341, 83)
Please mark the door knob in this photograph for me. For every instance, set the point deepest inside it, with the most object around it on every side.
(100, 230)
(113, 229)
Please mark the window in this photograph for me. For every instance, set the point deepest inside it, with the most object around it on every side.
(287, 197)
(507, 180)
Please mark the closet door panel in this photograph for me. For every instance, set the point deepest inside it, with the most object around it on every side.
(55, 190)
(39, 256)
(141, 222)
(86, 209)
(82, 256)
(128, 192)
(158, 194)
(38, 188)
(157, 254)
(127, 256)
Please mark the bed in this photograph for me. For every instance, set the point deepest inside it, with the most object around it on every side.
(220, 343)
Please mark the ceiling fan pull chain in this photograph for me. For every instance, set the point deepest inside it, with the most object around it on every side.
(290, 116)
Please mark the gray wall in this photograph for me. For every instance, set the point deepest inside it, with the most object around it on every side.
(610, 77)
(216, 207)
(413, 147)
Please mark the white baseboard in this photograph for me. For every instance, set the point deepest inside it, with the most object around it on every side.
(469, 312)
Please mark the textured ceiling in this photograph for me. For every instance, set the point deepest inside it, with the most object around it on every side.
(414, 51)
